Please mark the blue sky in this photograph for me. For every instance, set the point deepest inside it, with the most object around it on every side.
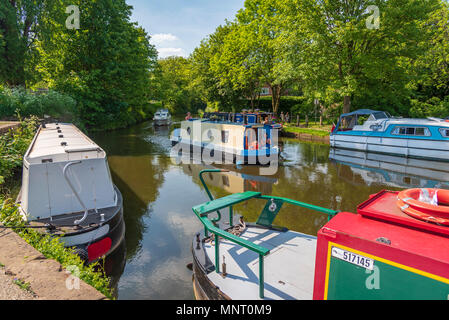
(178, 26)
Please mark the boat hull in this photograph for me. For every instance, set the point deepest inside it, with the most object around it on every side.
(410, 148)
(161, 122)
(94, 234)
(207, 153)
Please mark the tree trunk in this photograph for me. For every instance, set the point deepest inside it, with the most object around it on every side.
(347, 104)
(275, 97)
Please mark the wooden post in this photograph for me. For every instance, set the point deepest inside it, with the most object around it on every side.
(321, 121)
(297, 120)
(307, 121)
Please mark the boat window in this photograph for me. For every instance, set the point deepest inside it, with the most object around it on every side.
(224, 136)
(380, 115)
(444, 132)
(225, 180)
(412, 131)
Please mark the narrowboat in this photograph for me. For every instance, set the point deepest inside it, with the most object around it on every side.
(367, 168)
(376, 131)
(230, 137)
(68, 190)
(390, 249)
(162, 117)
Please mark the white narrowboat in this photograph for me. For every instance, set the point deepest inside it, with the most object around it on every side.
(162, 117)
(232, 138)
(376, 131)
(67, 187)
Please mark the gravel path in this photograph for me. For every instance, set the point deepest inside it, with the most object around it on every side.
(11, 291)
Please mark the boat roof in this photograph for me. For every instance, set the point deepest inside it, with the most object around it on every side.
(59, 142)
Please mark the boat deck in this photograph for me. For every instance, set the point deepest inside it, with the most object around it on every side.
(289, 267)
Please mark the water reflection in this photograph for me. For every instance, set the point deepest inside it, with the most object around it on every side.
(397, 172)
(158, 197)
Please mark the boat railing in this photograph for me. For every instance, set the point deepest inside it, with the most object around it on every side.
(269, 213)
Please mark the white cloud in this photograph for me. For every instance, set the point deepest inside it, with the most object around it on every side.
(160, 38)
(167, 52)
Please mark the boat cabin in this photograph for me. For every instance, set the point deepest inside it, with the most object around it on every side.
(61, 165)
(376, 131)
(242, 137)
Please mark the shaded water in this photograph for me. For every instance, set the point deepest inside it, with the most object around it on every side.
(158, 197)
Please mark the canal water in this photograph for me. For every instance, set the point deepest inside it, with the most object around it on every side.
(159, 194)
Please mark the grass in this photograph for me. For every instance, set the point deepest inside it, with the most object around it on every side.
(313, 129)
(26, 286)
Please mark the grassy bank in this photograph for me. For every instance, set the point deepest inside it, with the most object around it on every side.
(13, 146)
(313, 129)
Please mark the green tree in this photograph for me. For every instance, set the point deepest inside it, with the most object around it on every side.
(105, 65)
(343, 53)
(19, 29)
(260, 48)
(209, 79)
(431, 89)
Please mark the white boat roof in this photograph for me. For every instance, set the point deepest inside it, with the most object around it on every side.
(416, 121)
(61, 142)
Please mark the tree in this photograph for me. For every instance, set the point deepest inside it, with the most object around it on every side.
(19, 27)
(173, 84)
(105, 65)
(261, 48)
(344, 54)
(209, 78)
(431, 89)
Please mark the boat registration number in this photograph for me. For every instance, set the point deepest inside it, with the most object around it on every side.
(353, 258)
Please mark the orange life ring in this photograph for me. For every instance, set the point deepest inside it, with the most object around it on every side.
(409, 204)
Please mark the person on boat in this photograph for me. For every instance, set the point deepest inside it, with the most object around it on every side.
(188, 117)
(265, 120)
(282, 116)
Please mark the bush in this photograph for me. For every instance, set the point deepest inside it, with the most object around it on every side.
(13, 146)
(28, 103)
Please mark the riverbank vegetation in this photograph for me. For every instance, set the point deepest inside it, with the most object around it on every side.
(342, 55)
(97, 75)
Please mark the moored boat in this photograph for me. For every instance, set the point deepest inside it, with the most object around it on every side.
(376, 131)
(380, 252)
(67, 188)
(162, 117)
(230, 137)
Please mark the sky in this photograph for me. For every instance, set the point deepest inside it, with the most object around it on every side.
(178, 26)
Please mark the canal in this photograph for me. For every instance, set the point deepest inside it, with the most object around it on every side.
(159, 194)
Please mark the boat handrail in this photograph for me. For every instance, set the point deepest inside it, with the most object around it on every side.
(270, 211)
(64, 171)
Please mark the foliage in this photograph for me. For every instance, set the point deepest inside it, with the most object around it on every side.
(13, 146)
(332, 51)
(27, 103)
(105, 65)
(173, 85)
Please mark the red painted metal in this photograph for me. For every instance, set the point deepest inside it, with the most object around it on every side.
(99, 249)
(413, 243)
